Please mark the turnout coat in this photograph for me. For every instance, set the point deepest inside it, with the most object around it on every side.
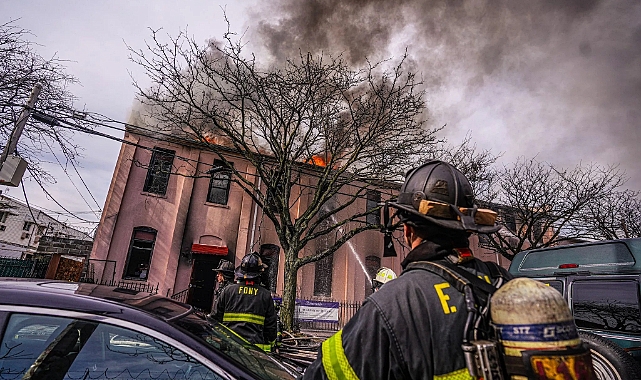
(412, 328)
(248, 309)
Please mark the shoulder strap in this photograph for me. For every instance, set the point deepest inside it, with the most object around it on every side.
(458, 277)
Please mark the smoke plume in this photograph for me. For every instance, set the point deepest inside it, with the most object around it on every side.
(560, 79)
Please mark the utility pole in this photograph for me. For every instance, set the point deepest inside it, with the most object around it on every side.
(22, 121)
(11, 172)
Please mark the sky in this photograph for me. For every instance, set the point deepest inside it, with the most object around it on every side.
(555, 79)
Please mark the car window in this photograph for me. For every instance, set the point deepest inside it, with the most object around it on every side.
(607, 304)
(605, 255)
(237, 349)
(45, 347)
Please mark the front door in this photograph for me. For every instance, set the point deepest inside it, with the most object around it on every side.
(203, 281)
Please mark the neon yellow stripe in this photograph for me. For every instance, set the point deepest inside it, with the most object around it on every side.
(335, 362)
(264, 347)
(244, 317)
(461, 374)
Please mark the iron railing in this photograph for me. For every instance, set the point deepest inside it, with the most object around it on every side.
(181, 296)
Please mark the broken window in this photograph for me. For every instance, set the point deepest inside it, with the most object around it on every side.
(140, 251)
(159, 170)
(219, 183)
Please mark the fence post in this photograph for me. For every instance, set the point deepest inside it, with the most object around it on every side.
(53, 266)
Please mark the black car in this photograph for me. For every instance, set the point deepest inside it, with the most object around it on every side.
(61, 330)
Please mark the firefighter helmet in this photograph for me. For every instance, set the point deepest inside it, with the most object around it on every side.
(225, 267)
(383, 276)
(251, 266)
(442, 184)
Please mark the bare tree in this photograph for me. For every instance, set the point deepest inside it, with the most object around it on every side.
(617, 215)
(542, 206)
(349, 130)
(20, 69)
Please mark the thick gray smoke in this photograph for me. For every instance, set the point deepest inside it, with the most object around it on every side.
(560, 79)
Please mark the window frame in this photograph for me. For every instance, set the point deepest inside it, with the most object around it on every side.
(373, 198)
(125, 276)
(222, 175)
(158, 157)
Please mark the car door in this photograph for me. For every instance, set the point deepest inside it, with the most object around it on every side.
(57, 347)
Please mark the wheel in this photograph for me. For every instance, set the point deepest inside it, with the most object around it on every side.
(610, 361)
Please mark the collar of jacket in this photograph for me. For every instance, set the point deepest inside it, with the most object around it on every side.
(436, 248)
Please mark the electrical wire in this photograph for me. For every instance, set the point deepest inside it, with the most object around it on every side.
(53, 199)
(24, 192)
(70, 180)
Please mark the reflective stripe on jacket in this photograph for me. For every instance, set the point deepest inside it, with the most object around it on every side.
(248, 310)
(412, 328)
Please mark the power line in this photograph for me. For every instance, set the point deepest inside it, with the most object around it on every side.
(70, 180)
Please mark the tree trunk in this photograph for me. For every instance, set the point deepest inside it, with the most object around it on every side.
(289, 292)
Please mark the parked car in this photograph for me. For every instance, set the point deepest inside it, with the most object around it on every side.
(61, 330)
(601, 282)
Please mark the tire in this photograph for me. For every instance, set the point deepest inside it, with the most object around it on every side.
(610, 361)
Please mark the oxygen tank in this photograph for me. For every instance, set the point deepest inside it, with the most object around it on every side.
(537, 333)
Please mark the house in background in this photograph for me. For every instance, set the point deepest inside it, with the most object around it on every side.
(20, 233)
(172, 230)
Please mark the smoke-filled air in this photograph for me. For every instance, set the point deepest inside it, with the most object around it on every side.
(559, 79)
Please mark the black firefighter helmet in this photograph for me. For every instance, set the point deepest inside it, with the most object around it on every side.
(226, 268)
(436, 193)
(251, 267)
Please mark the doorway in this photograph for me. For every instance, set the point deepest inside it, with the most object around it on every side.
(203, 281)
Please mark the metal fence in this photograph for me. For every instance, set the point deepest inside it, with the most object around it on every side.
(23, 268)
(181, 296)
(346, 311)
(136, 286)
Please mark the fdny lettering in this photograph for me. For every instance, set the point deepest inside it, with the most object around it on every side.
(247, 290)
(444, 297)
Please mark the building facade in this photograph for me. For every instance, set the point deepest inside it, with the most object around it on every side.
(173, 229)
(20, 233)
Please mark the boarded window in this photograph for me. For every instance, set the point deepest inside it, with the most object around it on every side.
(140, 251)
(373, 199)
(162, 161)
(219, 183)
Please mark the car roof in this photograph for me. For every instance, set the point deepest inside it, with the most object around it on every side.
(603, 257)
(93, 298)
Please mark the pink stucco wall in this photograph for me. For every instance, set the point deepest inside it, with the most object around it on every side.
(183, 217)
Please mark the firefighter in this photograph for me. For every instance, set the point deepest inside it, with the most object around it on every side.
(248, 308)
(413, 327)
(224, 276)
(383, 276)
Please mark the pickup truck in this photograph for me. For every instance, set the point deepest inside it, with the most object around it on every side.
(601, 282)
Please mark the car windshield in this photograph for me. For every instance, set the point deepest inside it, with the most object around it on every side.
(234, 347)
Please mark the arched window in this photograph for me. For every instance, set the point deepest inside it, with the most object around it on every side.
(139, 255)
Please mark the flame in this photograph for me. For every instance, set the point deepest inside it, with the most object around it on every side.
(317, 160)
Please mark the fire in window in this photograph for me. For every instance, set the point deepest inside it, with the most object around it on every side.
(140, 251)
